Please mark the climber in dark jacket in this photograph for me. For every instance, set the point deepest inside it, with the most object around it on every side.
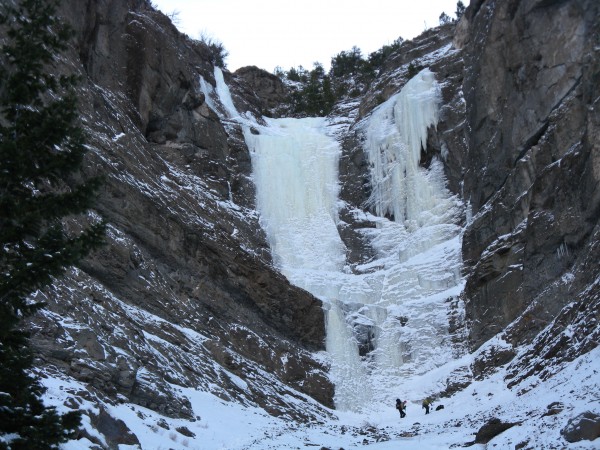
(401, 406)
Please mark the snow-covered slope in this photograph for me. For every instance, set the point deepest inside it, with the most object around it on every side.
(536, 414)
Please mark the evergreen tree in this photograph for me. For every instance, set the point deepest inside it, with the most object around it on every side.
(377, 58)
(460, 9)
(312, 92)
(347, 62)
(279, 72)
(328, 95)
(293, 74)
(41, 150)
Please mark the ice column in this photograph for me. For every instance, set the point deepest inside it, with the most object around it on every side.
(395, 134)
(295, 168)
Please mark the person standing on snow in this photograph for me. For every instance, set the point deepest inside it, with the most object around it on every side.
(401, 407)
(426, 404)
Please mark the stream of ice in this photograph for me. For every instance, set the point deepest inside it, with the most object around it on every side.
(386, 319)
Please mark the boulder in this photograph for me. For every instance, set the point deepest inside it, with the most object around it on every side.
(585, 426)
(268, 88)
(491, 429)
(114, 430)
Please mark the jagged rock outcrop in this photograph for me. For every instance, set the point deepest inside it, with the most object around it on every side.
(268, 88)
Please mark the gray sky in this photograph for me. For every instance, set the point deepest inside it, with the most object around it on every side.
(270, 33)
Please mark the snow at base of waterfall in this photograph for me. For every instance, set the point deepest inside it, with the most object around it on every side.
(222, 425)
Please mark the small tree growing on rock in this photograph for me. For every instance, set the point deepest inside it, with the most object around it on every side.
(460, 9)
(217, 50)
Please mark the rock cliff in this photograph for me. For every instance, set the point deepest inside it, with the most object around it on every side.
(531, 168)
(183, 293)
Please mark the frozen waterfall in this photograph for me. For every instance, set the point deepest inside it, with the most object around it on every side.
(395, 308)
(395, 135)
(295, 165)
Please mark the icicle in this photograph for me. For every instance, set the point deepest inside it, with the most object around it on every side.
(562, 251)
(209, 94)
(396, 133)
(219, 98)
(225, 95)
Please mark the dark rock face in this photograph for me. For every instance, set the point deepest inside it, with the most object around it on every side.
(531, 170)
(354, 181)
(184, 292)
(491, 429)
(268, 88)
(486, 362)
(585, 426)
